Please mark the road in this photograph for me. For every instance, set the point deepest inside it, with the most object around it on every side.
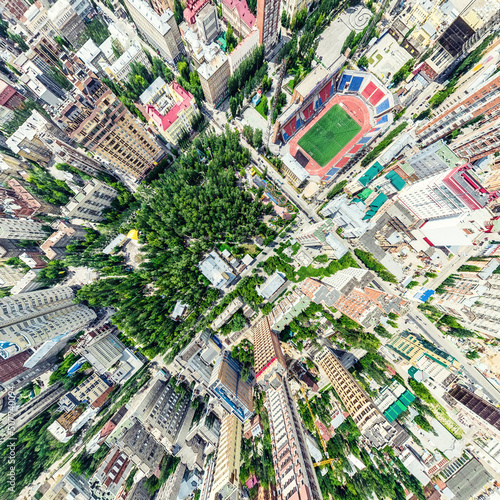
(450, 268)
(437, 337)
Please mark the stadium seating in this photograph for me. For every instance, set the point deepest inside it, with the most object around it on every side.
(308, 112)
(345, 79)
(364, 140)
(383, 106)
(369, 90)
(356, 83)
(324, 93)
(291, 127)
(376, 96)
(384, 119)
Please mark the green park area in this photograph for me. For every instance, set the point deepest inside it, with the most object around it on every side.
(329, 135)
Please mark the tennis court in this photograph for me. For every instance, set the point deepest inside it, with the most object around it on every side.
(329, 135)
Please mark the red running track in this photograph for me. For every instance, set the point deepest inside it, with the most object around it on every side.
(356, 109)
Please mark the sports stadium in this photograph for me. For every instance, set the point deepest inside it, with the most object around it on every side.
(330, 121)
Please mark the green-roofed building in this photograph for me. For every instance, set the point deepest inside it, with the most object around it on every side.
(375, 206)
(396, 180)
(365, 193)
(393, 400)
(371, 173)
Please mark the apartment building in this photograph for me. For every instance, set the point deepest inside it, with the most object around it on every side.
(473, 299)
(295, 476)
(15, 8)
(357, 403)
(268, 22)
(31, 409)
(217, 271)
(27, 283)
(477, 98)
(111, 474)
(207, 23)
(161, 31)
(67, 21)
(90, 201)
(32, 318)
(163, 412)
(320, 235)
(243, 50)
(234, 394)
(55, 245)
(287, 309)
(293, 170)
(292, 7)
(121, 68)
(270, 364)
(227, 314)
(226, 482)
(447, 194)
(413, 348)
(9, 96)
(89, 391)
(21, 229)
(214, 74)
(478, 143)
(171, 108)
(107, 128)
(9, 276)
(239, 16)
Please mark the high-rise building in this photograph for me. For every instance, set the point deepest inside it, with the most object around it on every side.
(55, 245)
(107, 128)
(67, 21)
(13, 365)
(358, 404)
(446, 194)
(16, 8)
(234, 394)
(479, 98)
(9, 96)
(163, 411)
(21, 229)
(478, 143)
(160, 6)
(9, 276)
(90, 201)
(268, 22)
(412, 349)
(295, 476)
(473, 299)
(32, 318)
(214, 74)
(270, 364)
(207, 23)
(161, 31)
(226, 482)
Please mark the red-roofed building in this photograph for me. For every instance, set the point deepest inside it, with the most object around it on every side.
(9, 96)
(170, 107)
(192, 8)
(237, 13)
(102, 398)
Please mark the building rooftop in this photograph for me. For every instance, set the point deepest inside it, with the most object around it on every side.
(216, 270)
(295, 167)
(214, 59)
(159, 23)
(271, 285)
(244, 13)
(311, 80)
(126, 58)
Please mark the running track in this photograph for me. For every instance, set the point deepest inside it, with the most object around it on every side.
(356, 109)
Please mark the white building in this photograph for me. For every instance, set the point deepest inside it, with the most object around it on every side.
(89, 202)
(32, 318)
(435, 158)
(244, 49)
(21, 229)
(67, 21)
(27, 283)
(207, 23)
(216, 271)
(271, 285)
(348, 216)
(293, 170)
(161, 32)
(121, 68)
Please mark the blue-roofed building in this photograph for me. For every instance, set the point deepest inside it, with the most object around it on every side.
(234, 394)
(424, 294)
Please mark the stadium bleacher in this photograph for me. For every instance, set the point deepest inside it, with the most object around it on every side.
(376, 96)
(356, 83)
(308, 112)
(384, 119)
(383, 106)
(369, 90)
(345, 79)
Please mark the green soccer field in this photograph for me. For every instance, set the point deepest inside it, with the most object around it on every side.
(329, 135)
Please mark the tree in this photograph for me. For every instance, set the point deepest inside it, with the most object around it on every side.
(257, 138)
(231, 41)
(284, 19)
(265, 105)
(178, 12)
(472, 354)
(233, 105)
(183, 68)
(248, 133)
(363, 62)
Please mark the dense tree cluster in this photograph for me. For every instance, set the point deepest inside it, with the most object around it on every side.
(371, 263)
(52, 190)
(246, 71)
(386, 141)
(183, 214)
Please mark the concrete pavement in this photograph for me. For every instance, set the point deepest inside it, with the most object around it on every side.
(437, 337)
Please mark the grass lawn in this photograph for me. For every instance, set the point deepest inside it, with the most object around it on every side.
(329, 135)
(260, 109)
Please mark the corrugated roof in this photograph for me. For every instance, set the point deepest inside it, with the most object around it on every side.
(371, 173)
(396, 180)
(407, 398)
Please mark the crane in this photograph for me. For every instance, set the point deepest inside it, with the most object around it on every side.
(328, 460)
